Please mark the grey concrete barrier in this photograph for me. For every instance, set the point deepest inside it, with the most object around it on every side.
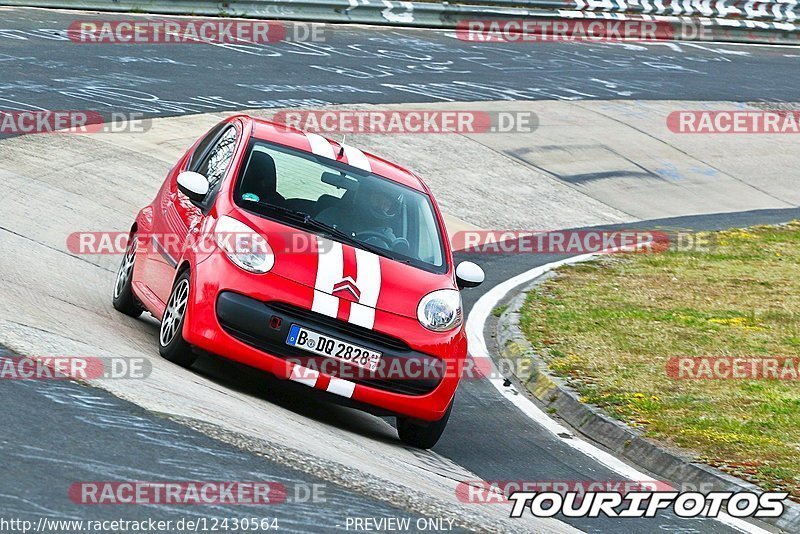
(766, 22)
(770, 10)
(774, 10)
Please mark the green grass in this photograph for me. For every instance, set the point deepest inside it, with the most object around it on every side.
(500, 310)
(610, 326)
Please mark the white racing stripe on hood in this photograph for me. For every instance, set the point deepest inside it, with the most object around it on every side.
(330, 267)
(330, 271)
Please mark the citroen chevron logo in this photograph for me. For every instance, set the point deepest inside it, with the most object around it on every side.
(347, 284)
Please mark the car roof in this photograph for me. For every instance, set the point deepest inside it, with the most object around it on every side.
(283, 134)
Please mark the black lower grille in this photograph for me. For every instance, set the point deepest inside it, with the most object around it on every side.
(250, 321)
(342, 326)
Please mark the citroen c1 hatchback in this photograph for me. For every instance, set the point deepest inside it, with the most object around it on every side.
(322, 264)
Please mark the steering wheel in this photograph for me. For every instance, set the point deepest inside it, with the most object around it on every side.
(402, 246)
(367, 234)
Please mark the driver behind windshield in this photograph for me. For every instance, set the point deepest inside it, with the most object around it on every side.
(372, 218)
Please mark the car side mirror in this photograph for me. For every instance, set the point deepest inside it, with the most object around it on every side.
(194, 185)
(469, 274)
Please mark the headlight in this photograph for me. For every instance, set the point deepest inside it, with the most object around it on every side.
(245, 247)
(440, 310)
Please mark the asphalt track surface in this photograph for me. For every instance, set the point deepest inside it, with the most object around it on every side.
(55, 434)
(41, 67)
(51, 434)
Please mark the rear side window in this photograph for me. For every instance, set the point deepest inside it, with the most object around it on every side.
(216, 163)
(203, 145)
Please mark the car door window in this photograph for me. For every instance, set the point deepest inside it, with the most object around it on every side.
(427, 249)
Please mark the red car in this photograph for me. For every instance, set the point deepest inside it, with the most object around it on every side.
(286, 251)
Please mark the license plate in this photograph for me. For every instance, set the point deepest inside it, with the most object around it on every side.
(324, 345)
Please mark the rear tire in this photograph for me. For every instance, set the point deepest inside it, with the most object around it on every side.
(422, 434)
(171, 344)
(123, 298)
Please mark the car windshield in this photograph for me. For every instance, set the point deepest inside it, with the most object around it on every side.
(349, 204)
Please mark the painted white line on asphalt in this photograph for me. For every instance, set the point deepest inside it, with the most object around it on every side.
(478, 349)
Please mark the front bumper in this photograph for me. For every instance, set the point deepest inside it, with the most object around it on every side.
(231, 313)
(265, 326)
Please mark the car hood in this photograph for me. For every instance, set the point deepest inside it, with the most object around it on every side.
(342, 275)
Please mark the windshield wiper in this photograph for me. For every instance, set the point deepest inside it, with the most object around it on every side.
(350, 239)
(296, 215)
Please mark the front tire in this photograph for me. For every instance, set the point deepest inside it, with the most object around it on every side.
(171, 344)
(422, 435)
(123, 299)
